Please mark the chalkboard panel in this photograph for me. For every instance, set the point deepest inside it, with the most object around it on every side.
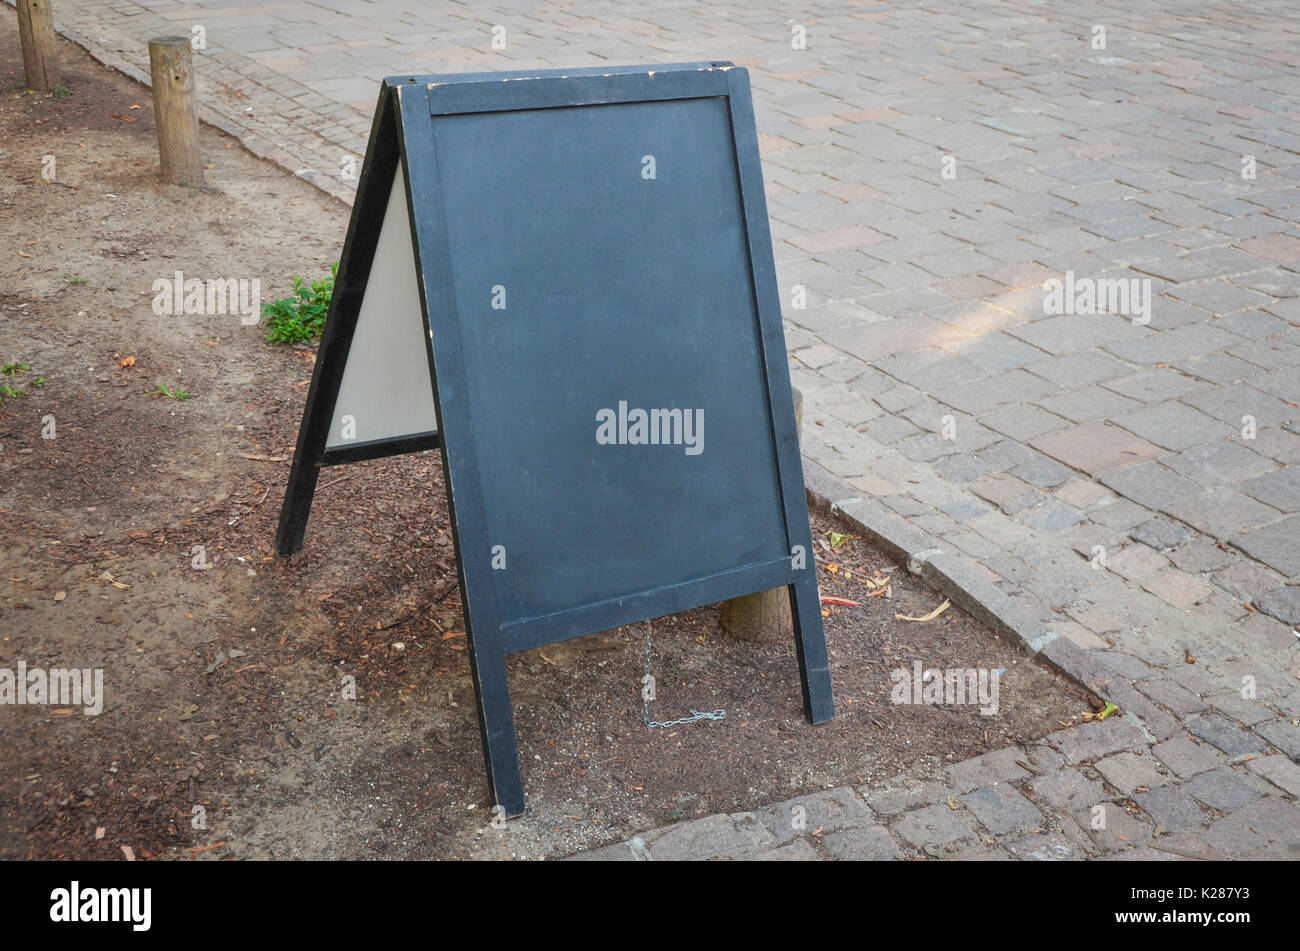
(613, 289)
(602, 334)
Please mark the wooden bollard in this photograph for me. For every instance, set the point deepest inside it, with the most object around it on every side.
(764, 616)
(36, 30)
(171, 68)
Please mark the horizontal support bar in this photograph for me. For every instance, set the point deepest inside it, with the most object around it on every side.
(617, 612)
(379, 448)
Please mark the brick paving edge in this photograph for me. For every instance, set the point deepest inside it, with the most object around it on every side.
(248, 139)
(954, 576)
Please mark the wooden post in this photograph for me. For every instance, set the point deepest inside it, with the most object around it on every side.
(171, 68)
(36, 29)
(764, 616)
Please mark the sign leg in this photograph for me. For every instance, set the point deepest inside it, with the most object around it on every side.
(810, 641)
(297, 504)
(497, 725)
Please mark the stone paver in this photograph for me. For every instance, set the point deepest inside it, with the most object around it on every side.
(933, 825)
(1129, 772)
(1283, 734)
(1171, 807)
(1002, 809)
(798, 850)
(830, 811)
(1000, 767)
(1268, 828)
(1282, 603)
(1223, 733)
(1112, 828)
(1068, 790)
(1278, 770)
(718, 836)
(1050, 847)
(1173, 696)
(862, 845)
(1220, 789)
(1092, 740)
(1161, 534)
(1276, 545)
(1096, 448)
(925, 298)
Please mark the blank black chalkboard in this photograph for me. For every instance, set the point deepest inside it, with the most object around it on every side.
(605, 353)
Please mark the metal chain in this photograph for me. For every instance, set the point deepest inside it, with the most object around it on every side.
(695, 714)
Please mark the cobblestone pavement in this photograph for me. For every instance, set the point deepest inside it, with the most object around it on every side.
(1102, 790)
(1128, 477)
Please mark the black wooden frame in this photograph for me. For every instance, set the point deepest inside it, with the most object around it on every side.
(404, 116)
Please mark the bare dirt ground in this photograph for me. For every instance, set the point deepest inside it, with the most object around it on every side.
(223, 685)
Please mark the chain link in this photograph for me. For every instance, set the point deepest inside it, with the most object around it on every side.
(695, 716)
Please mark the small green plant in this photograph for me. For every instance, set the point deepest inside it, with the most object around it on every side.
(76, 279)
(177, 394)
(61, 92)
(300, 318)
(15, 392)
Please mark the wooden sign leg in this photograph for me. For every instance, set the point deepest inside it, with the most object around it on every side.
(496, 723)
(810, 640)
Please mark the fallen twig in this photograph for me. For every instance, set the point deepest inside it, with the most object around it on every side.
(342, 478)
(206, 848)
(927, 617)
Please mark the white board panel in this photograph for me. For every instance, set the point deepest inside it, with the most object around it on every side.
(386, 388)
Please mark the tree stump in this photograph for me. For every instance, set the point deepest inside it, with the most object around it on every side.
(171, 68)
(765, 616)
(36, 31)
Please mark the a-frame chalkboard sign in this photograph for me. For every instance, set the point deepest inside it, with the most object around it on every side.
(564, 280)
